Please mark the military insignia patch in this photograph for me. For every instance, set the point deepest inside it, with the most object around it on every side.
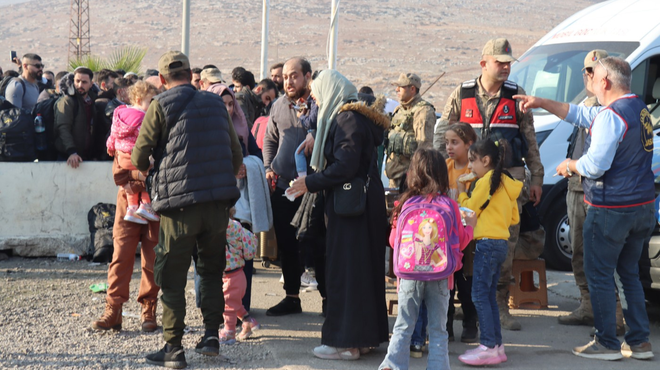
(647, 130)
(468, 113)
(505, 109)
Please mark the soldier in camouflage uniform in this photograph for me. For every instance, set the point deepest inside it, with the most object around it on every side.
(412, 127)
(487, 104)
(577, 212)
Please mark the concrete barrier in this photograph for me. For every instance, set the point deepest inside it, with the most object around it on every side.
(44, 205)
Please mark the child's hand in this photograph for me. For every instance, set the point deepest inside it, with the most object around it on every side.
(111, 153)
(470, 218)
(460, 186)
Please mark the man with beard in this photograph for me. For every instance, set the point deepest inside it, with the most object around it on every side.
(23, 91)
(283, 136)
(276, 76)
(105, 81)
(74, 114)
(196, 78)
(487, 104)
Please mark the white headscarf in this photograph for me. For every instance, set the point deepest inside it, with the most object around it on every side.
(331, 90)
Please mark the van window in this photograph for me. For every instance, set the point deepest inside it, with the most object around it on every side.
(555, 71)
(644, 79)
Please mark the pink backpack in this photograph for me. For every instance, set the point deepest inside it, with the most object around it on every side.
(427, 245)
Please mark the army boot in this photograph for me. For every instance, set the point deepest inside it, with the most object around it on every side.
(583, 315)
(506, 320)
(148, 316)
(111, 318)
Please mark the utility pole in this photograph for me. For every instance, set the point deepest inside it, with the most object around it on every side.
(79, 35)
(185, 31)
(334, 34)
(264, 39)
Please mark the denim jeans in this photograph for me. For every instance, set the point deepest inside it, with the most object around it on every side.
(488, 258)
(419, 334)
(411, 294)
(613, 241)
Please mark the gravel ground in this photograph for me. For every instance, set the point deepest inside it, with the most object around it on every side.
(46, 308)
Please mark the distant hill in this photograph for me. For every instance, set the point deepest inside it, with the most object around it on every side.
(378, 39)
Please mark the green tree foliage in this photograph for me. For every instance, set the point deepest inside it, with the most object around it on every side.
(128, 58)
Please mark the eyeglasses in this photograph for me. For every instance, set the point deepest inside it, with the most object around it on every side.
(38, 66)
(607, 72)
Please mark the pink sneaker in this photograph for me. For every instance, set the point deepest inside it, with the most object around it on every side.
(482, 355)
(227, 337)
(132, 216)
(249, 325)
(145, 211)
(500, 352)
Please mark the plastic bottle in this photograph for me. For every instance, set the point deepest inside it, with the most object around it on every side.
(40, 132)
(68, 257)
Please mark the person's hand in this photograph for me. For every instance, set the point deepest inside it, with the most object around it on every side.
(74, 160)
(528, 102)
(470, 218)
(271, 178)
(460, 186)
(241, 172)
(561, 171)
(308, 145)
(298, 188)
(111, 153)
(144, 175)
(535, 193)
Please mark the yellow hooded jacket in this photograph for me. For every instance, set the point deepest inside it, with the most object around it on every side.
(502, 211)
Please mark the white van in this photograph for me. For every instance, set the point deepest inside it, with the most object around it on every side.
(552, 68)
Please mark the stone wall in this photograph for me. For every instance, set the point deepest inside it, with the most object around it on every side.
(43, 206)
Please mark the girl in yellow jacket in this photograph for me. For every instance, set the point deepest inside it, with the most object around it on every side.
(494, 201)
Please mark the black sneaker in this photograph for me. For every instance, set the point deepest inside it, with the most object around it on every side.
(209, 346)
(469, 334)
(415, 351)
(287, 306)
(174, 359)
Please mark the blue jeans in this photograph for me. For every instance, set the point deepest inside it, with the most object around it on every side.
(488, 258)
(419, 335)
(613, 241)
(411, 293)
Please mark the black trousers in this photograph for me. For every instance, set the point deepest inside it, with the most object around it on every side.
(287, 244)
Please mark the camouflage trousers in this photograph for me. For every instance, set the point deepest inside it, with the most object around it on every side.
(577, 213)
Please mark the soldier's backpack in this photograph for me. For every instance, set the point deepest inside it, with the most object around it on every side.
(101, 219)
(17, 141)
(46, 108)
(427, 246)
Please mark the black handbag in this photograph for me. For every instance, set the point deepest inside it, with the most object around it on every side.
(351, 197)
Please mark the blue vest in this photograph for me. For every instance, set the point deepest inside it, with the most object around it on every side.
(629, 181)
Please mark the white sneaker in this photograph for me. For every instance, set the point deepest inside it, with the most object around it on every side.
(308, 280)
(282, 279)
(333, 353)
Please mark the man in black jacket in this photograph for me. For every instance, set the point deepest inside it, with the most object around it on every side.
(197, 155)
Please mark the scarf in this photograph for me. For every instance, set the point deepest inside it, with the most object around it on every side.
(331, 91)
(238, 117)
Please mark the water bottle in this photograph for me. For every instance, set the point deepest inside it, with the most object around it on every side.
(68, 257)
(40, 132)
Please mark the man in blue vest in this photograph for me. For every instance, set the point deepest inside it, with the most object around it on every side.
(618, 186)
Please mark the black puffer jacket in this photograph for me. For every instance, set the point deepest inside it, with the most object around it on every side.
(196, 164)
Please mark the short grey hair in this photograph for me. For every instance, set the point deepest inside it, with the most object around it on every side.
(618, 72)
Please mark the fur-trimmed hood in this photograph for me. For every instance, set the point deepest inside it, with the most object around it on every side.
(372, 108)
(66, 85)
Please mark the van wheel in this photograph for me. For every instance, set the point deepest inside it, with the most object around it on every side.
(558, 250)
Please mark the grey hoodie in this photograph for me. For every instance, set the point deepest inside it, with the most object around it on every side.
(283, 136)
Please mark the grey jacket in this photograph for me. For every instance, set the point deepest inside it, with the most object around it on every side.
(283, 136)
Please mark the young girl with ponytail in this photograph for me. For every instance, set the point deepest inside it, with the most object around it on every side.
(494, 201)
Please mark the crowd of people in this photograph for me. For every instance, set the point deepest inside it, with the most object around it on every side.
(197, 161)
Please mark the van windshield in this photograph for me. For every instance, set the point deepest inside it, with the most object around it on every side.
(555, 71)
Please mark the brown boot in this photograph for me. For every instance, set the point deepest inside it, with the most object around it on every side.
(583, 315)
(111, 318)
(149, 315)
(506, 320)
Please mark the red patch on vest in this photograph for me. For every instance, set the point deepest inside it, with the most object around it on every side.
(468, 113)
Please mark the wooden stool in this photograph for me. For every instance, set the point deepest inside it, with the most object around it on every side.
(523, 293)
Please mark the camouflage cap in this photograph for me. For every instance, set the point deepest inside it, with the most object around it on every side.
(408, 79)
(500, 49)
(593, 57)
(173, 61)
(212, 75)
